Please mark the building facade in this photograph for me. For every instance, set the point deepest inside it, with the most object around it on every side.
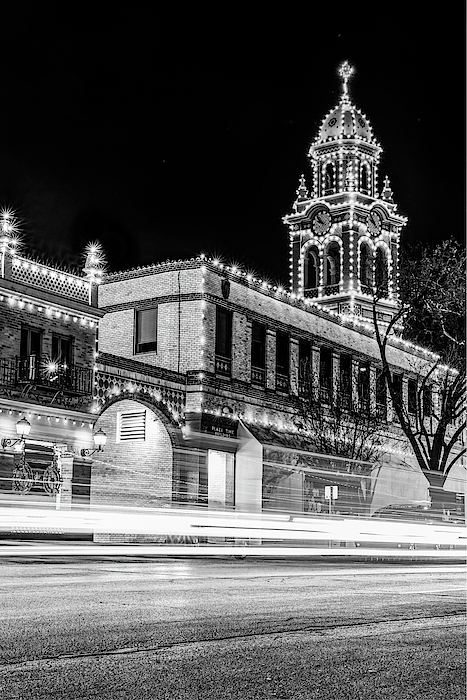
(194, 370)
(48, 326)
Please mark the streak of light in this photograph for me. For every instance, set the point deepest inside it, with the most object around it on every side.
(208, 550)
(243, 526)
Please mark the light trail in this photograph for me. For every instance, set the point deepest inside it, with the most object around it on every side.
(97, 550)
(238, 526)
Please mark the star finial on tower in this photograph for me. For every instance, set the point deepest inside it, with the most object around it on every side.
(345, 71)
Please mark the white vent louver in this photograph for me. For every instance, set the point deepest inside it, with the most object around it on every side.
(132, 426)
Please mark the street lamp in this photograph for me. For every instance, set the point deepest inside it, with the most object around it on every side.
(23, 427)
(100, 438)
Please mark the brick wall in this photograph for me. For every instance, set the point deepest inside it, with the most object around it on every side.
(134, 472)
(179, 322)
(11, 320)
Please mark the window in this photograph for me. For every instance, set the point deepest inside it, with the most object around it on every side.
(365, 180)
(145, 330)
(333, 273)
(258, 345)
(329, 179)
(381, 273)
(223, 341)
(427, 401)
(325, 375)
(397, 386)
(346, 381)
(381, 395)
(258, 353)
(30, 342)
(304, 367)
(30, 352)
(131, 426)
(364, 384)
(62, 351)
(412, 396)
(311, 269)
(282, 361)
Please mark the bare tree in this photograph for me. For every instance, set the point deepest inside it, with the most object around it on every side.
(433, 312)
(338, 427)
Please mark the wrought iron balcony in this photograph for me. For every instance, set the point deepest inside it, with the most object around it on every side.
(36, 371)
(311, 293)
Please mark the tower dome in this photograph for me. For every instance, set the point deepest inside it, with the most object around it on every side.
(345, 121)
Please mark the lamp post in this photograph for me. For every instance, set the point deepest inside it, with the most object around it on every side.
(23, 427)
(100, 438)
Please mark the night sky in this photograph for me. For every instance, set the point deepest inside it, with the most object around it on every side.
(164, 134)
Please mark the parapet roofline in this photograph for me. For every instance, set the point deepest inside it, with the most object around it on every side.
(277, 292)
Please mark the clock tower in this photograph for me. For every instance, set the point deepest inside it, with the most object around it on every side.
(345, 231)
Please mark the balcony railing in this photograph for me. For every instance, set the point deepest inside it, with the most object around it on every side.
(39, 371)
(258, 375)
(346, 401)
(223, 366)
(331, 289)
(311, 293)
(282, 382)
(324, 395)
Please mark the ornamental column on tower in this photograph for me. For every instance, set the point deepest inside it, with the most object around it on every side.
(345, 231)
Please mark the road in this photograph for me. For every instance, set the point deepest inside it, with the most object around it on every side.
(223, 628)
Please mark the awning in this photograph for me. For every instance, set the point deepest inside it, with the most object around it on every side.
(300, 452)
(456, 479)
(398, 482)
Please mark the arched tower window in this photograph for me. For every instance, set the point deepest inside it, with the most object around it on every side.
(365, 265)
(381, 273)
(365, 184)
(311, 271)
(333, 267)
(329, 186)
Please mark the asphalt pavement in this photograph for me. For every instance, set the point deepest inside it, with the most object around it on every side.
(183, 628)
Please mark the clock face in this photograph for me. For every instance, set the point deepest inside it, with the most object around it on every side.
(374, 223)
(321, 222)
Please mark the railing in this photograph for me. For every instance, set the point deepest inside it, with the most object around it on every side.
(346, 401)
(223, 365)
(56, 281)
(258, 375)
(311, 293)
(282, 382)
(40, 371)
(324, 395)
(331, 289)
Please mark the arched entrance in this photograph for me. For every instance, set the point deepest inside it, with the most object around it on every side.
(136, 467)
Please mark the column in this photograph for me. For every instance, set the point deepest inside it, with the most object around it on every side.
(241, 348)
(293, 366)
(405, 396)
(355, 374)
(64, 497)
(270, 359)
(336, 369)
(315, 362)
(372, 390)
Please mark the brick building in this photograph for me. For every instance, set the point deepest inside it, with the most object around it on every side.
(196, 373)
(48, 331)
